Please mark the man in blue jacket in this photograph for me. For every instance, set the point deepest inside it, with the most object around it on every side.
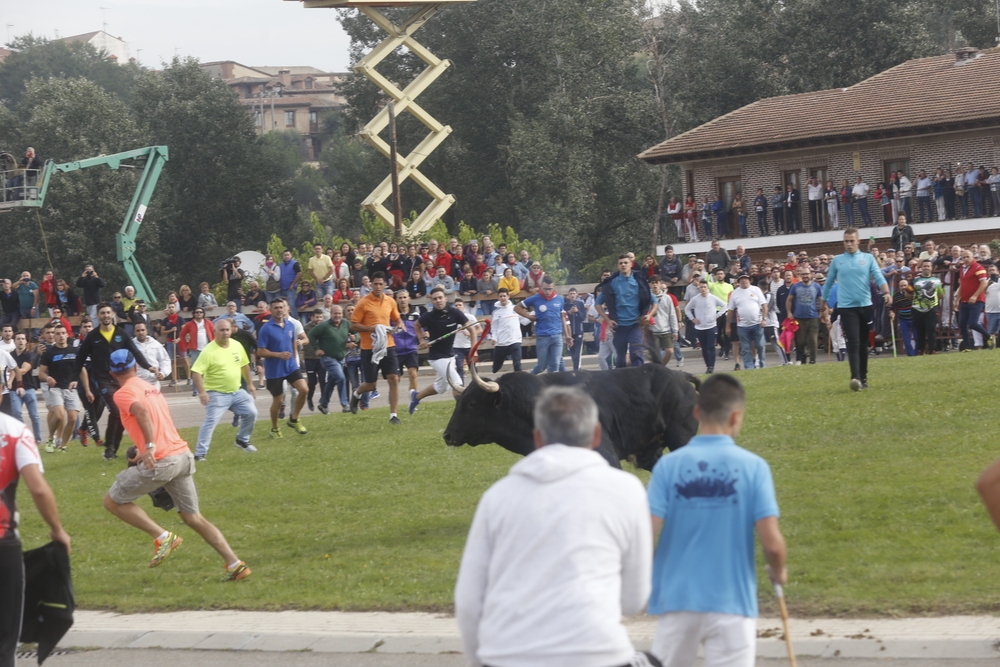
(625, 299)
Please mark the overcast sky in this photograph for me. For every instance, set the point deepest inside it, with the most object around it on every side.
(252, 32)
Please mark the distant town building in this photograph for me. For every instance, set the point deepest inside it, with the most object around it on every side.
(284, 98)
(115, 47)
(4, 53)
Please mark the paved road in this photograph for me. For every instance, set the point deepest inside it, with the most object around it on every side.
(131, 657)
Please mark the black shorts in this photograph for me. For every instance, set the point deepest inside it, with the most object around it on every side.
(277, 385)
(408, 360)
(389, 365)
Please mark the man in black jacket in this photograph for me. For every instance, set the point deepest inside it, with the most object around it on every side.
(624, 301)
(97, 348)
(902, 234)
(91, 284)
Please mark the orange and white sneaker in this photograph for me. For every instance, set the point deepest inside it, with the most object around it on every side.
(237, 572)
(164, 548)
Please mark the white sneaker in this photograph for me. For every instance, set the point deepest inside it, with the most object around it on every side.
(798, 363)
(680, 363)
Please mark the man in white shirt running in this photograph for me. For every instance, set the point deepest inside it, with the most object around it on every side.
(155, 354)
(517, 602)
(505, 330)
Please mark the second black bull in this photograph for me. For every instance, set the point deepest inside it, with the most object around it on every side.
(644, 410)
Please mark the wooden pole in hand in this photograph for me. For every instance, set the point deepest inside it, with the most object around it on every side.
(779, 592)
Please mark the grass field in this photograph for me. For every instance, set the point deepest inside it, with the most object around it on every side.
(876, 492)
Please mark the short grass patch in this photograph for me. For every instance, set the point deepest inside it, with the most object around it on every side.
(876, 492)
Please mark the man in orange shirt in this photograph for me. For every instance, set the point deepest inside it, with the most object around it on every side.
(162, 459)
(373, 316)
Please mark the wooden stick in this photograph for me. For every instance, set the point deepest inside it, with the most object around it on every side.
(780, 594)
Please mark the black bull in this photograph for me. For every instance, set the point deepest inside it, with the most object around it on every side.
(643, 410)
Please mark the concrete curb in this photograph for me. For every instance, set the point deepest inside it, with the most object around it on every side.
(963, 637)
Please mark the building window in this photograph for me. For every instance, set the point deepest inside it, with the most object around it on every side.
(289, 119)
(309, 84)
(892, 166)
(258, 119)
(313, 118)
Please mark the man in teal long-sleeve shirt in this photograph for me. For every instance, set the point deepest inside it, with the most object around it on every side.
(854, 272)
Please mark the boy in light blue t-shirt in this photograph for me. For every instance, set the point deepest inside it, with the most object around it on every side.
(707, 499)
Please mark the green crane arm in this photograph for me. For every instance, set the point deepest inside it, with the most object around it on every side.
(155, 157)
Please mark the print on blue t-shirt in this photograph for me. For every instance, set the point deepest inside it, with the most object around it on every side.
(275, 338)
(805, 300)
(549, 314)
(709, 494)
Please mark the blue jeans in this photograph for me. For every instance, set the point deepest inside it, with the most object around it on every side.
(707, 224)
(977, 200)
(906, 331)
(240, 402)
(849, 213)
(762, 223)
(334, 377)
(969, 315)
(751, 345)
(993, 323)
(905, 206)
(353, 367)
(487, 306)
(549, 350)
(10, 318)
(743, 226)
(628, 338)
(574, 354)
(924, 203)
(706, 337)
(779, 220)
(29, 399)
(271, 296)
(866, 217)
(289, 295)
(322, 289)
(720, 223)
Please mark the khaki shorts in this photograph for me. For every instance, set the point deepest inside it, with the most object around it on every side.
(62, 398)
(172, 472)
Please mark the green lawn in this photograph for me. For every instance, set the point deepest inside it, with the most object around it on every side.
(876, 492)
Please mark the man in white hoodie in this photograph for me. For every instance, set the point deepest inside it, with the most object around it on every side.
(558, 550)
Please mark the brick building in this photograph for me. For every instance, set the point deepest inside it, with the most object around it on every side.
(922, 114)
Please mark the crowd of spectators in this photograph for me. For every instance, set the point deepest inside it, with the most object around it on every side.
(968, 192)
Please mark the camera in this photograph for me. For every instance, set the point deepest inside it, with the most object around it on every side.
(229, 264)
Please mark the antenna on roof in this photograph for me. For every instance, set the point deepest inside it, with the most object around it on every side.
(104, 18)
(9, 26)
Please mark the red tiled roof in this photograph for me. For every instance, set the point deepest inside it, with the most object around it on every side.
(917, 96)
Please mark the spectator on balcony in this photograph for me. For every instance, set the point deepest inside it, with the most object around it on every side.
(46, 289)
(905, 195)
(359, 273)
(960, 199)
(533, 283)
(847, 201)
(883, 199)
(66, 299)
(677, 215)
(860, 194)
(830, 197)
(442, 279)
(254, 295)
(416, 287)
(938, 187)
(719, 209)
(973, 191)
(233, 314)
(691, 219)
(778, 210)
(792, 199)
(740, 213)
(814, 191)
(91, 284)
(986, 204)
(206, 299)
(760, 207)
(925, 189)
(994, 188)
(486, 288)
(186, 302)
(705, 208)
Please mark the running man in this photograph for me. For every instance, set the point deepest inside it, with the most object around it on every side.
(57, 369)
(276, 346)
(854, 271)
(374, 314)
(707, 500)
(443, 320)
(162, 459)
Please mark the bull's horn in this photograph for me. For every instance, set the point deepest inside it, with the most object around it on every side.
(491, 387)
(454, 386)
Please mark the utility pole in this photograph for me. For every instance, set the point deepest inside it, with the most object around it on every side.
(9, 26)
(397, 204)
